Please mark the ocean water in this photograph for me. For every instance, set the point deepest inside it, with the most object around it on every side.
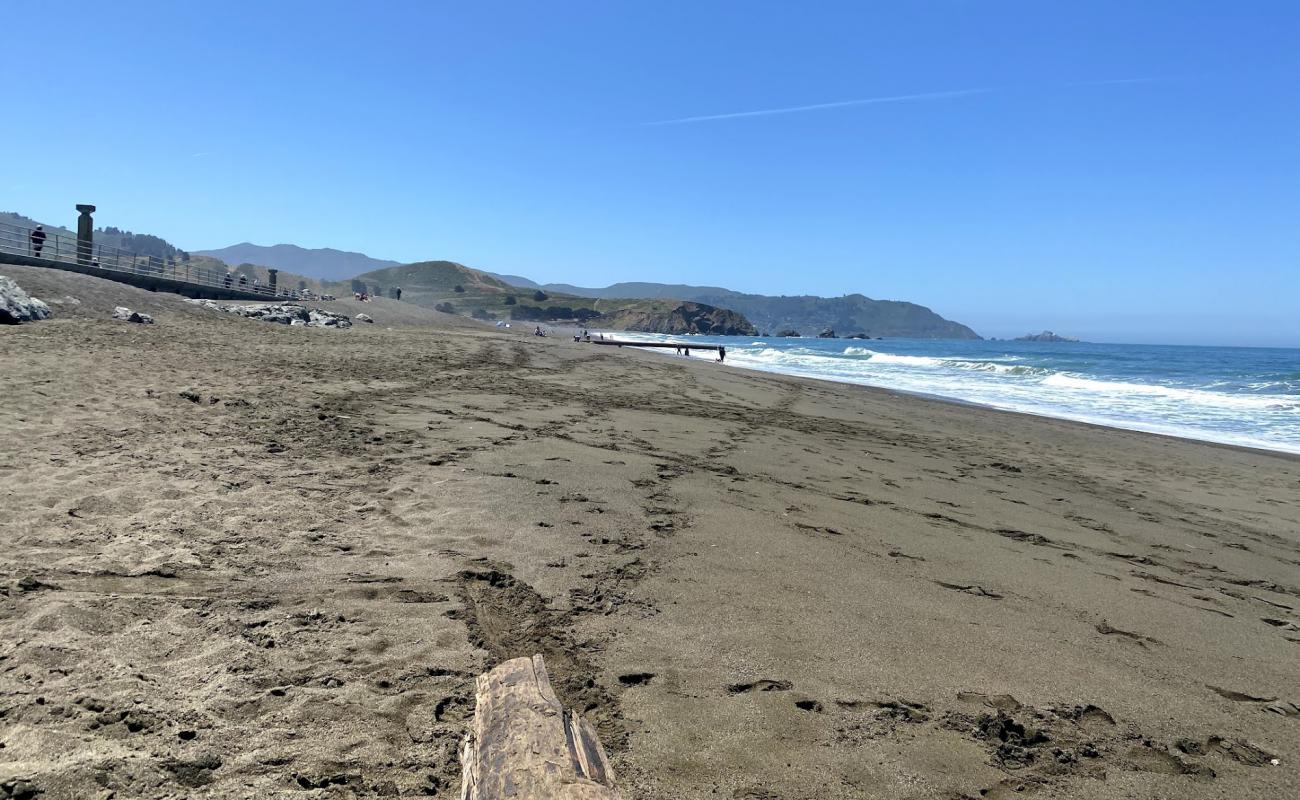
(1234, 395)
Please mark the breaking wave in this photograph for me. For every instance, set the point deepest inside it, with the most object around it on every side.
(1203, 397)
(953, 363)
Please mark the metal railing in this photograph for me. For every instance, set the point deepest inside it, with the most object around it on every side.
(62, 248)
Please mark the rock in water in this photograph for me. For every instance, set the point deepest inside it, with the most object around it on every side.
(17, 306)
(827, 333)
(1045, 336)
(126, 314)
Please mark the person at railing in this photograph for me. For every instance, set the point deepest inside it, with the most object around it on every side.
(38, 240)
(227, 280)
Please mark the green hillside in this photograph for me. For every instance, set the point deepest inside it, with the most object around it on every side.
(448, 286)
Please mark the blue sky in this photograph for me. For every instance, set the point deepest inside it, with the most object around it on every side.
(1115, 170)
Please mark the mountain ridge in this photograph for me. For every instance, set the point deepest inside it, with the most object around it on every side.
(323, 263)
(852, 314)
(807, 314)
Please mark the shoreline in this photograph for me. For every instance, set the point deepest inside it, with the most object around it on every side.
(1131, 427)
(1293, 454)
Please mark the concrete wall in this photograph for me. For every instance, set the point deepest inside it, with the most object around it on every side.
(154, 283)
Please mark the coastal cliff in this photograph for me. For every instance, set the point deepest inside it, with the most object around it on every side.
(685, 318)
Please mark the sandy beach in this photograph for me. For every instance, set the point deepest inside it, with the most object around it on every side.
(247, 560)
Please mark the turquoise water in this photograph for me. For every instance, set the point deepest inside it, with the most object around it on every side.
(1234, 395)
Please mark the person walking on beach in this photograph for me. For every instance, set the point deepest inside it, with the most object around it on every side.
(722, 354)
(38, 240)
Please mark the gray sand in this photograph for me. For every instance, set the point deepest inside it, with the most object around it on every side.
(245, 560)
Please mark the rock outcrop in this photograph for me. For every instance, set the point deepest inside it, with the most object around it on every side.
(685, 318)
(827, 333)
(285, 314)
(788, 333)
(16, 306)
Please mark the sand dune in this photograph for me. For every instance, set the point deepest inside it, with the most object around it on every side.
(247, 560)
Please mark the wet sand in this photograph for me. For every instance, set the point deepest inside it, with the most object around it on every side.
(246, 560)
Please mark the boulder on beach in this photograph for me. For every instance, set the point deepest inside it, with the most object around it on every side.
(16, 306)
(364, 318)
(283, 314)
(127, 315)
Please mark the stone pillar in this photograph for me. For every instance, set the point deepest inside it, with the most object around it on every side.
(85, 234)
(273, 273)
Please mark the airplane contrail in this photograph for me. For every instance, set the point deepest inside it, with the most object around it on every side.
(900, 98)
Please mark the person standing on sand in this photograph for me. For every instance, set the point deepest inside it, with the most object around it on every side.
(722, 354)
(38, 240)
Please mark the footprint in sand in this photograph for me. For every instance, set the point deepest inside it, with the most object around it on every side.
(761, 685)
(1105, 629)
(978, 591)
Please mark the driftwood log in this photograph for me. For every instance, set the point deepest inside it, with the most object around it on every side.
(525, 745)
